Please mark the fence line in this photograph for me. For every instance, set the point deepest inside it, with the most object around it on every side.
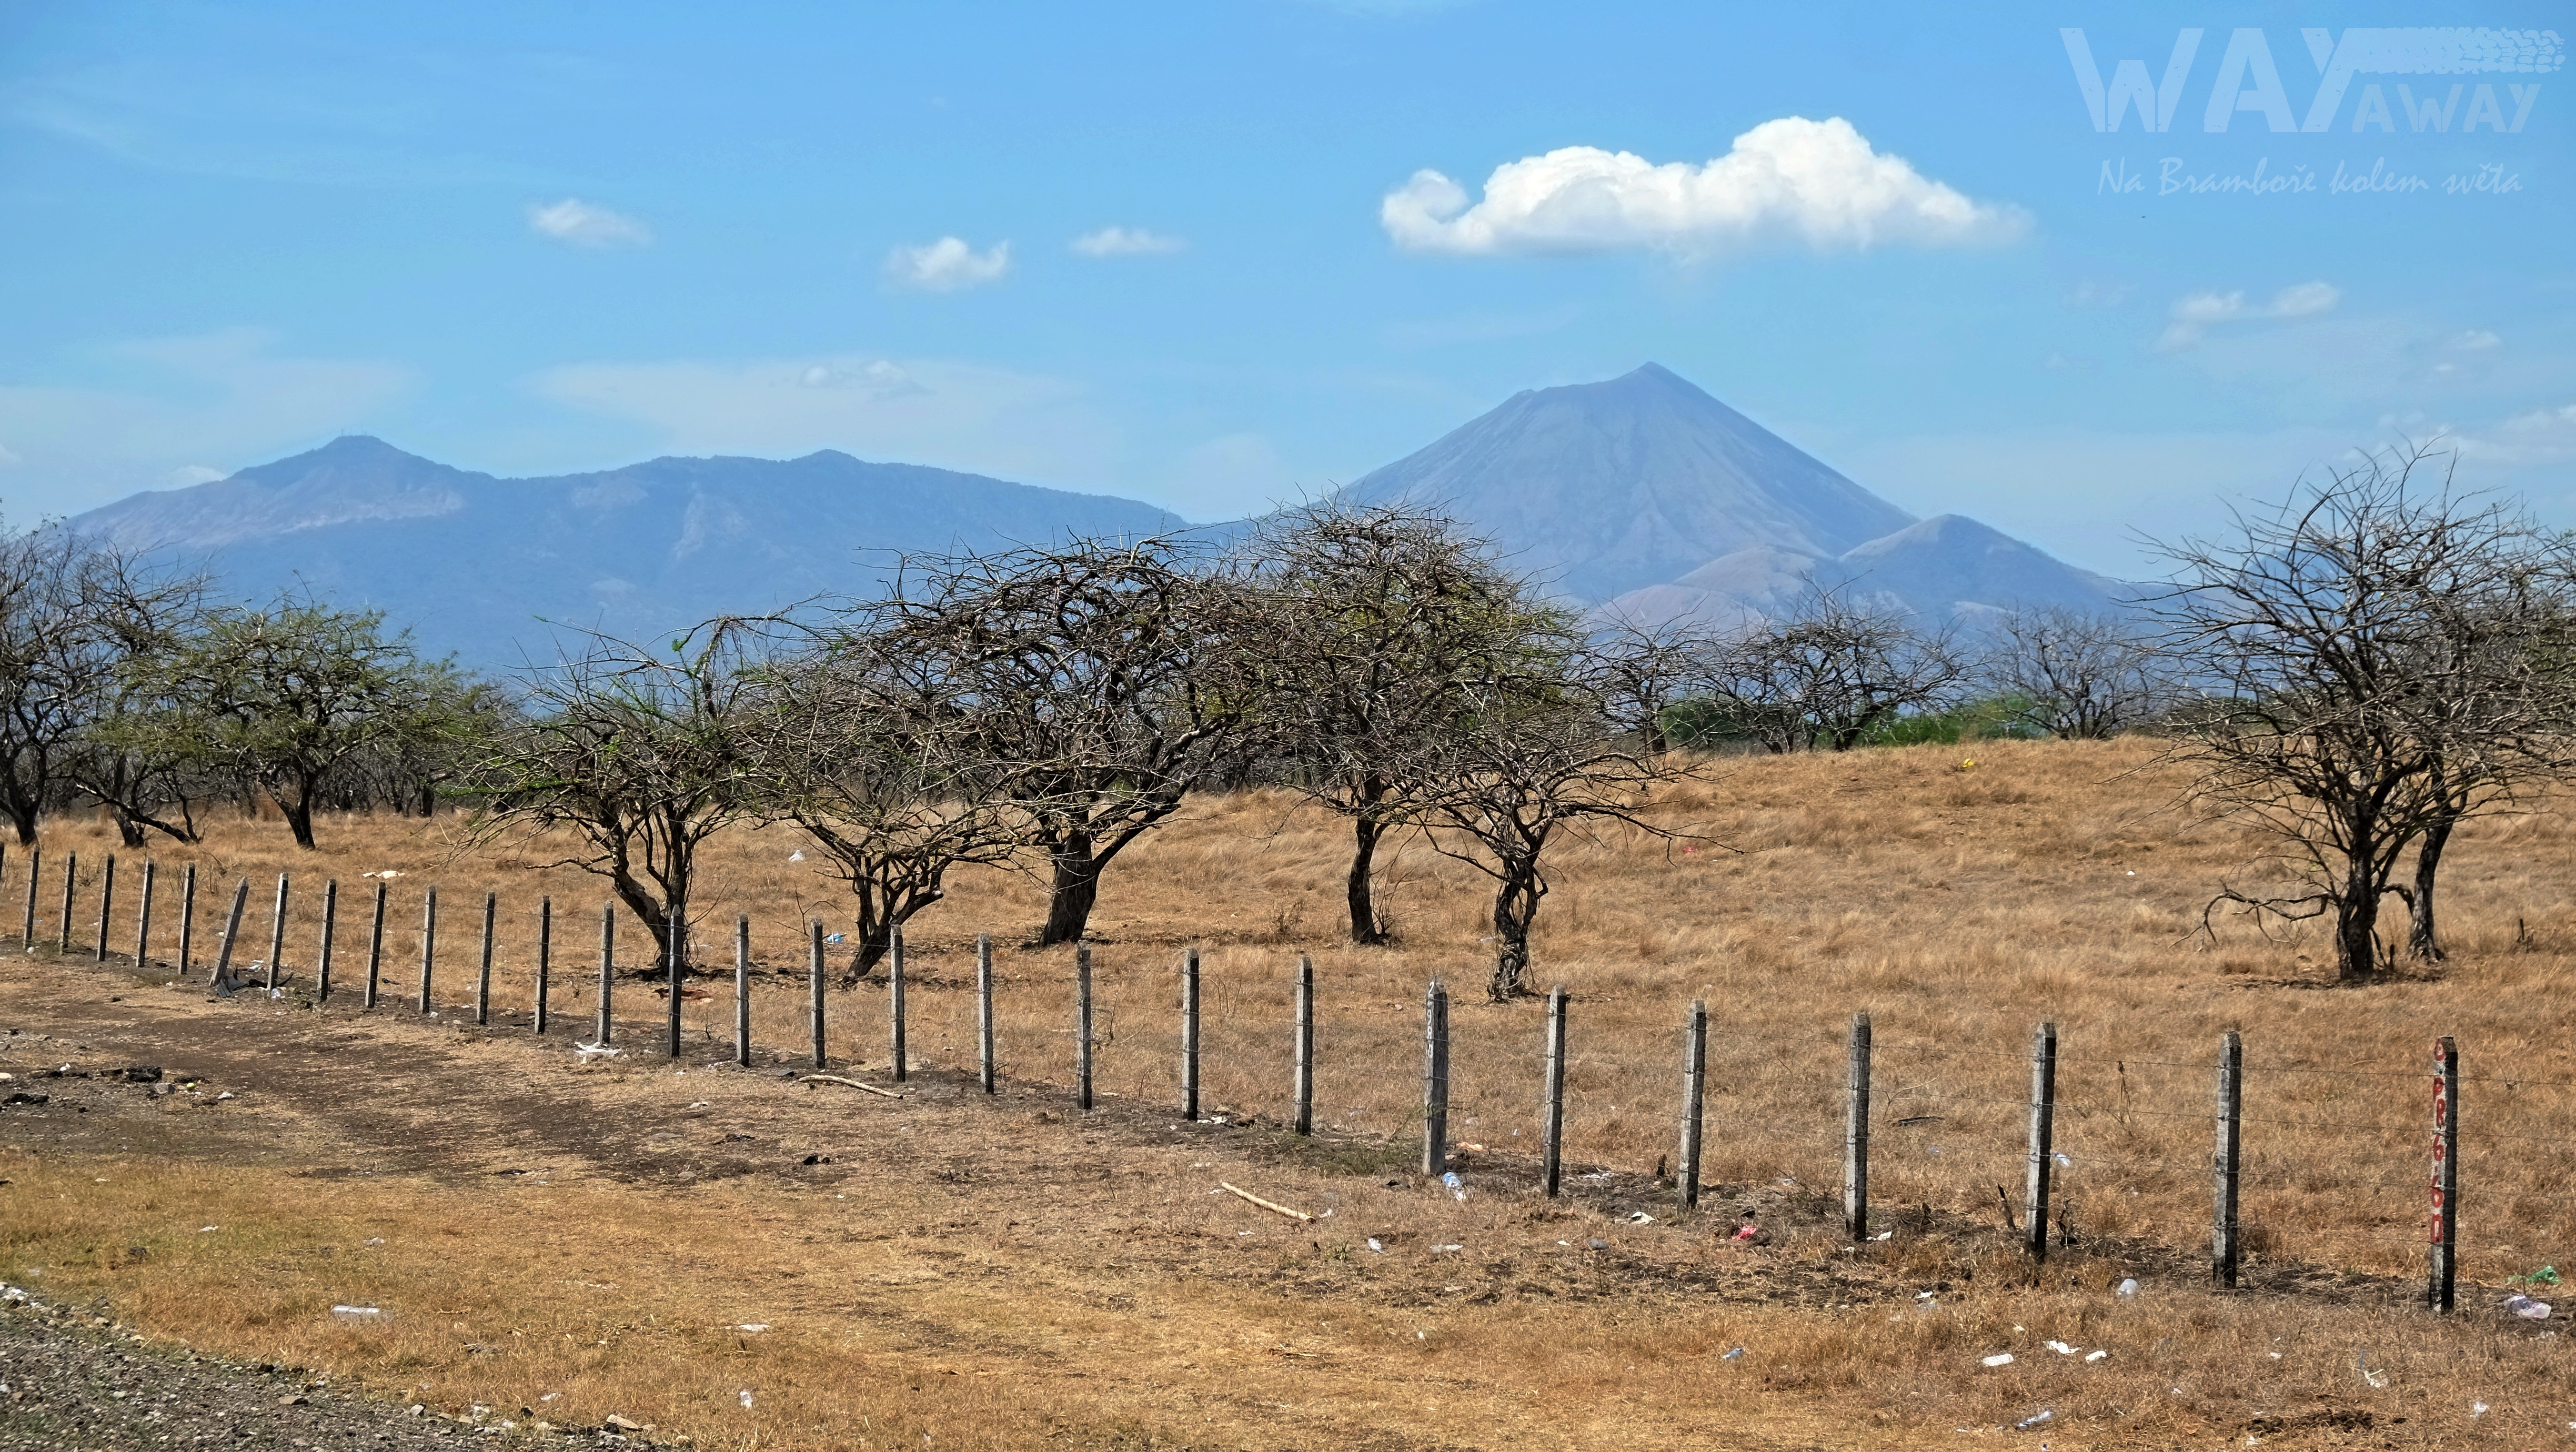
(1559, 1062)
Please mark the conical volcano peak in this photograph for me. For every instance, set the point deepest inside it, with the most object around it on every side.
(1606, 487)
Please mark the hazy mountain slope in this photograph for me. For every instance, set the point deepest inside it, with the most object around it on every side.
(473, 562)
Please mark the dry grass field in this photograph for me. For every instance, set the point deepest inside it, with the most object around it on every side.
(1015, 1273)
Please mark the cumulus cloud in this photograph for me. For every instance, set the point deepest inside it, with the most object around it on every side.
(1125, 242)
(1815, 183)
(587, 224)
(947, 265)
(2194, 313)
(2476, 340)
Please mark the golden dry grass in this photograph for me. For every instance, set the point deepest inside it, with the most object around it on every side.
(1958, 906)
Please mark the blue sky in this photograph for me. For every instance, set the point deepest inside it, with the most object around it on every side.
(544, 237)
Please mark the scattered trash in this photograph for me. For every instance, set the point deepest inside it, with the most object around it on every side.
(2361, 1363)
(1373, 1245)
(832, 937)
(2477, 1409)
(2527, 1308)
(1921, 1119)
(208, 1229)
(1597, 1244)
(588, 1052)
(796, 856)
(220, 1098)
(2000, 1358)
(1736, 1355)
(1884, 1235)
(753, 1326)
(2061, 1348)
(1923, 1295)
(1641, 1218)
(357, 1313)
(746, 1399)
(2129, 1287)
(2044, 1414)
(376, 1240)
(2064, 1160)
(2545, 1276)
(550, 1396)
(1748, 1231)
(2095, 1355)
(1448, 1247)
(1595, 1175)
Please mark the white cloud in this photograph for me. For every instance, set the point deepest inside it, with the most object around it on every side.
(1125, 242)
(947, 265)
(2541, 436)
(587, 224)
(188, 474)
(2475, 340)
(955, 415)
(167, 404)
(2194, 313)
(1817, 183)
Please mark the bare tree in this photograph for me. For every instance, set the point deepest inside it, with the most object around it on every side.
(640, 754)
(1098, 683)
(2074, 674)
(1640, 670)
(866, 755)
(1830, 672)
(137, 747)
(1517, 774)
(1385, 621)
(40, 707)
(2382, 666)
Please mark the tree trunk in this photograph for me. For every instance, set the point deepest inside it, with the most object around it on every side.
(1515, 904)
(24, 819)
(2421, 944)
(128, 830)
(1365, 832)
(2356, 922)
(1075, 888)
(299, 815)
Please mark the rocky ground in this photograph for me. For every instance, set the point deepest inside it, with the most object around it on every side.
(79, 1382)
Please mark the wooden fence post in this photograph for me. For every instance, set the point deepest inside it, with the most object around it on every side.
(428, 943)
(106, 904)
(223, 981)
(1694, 1086)
(330, 928)
(35, 870)
(187, 914)
(894, 997)
(545, 961)
(2043, 1116)
(1435, 1079)
(1305, 1044)
(483, 978)
(984, 1010)
(71, 878)
(742, 989)
(1551, 1131)
(2444, 1228)
(1856, 1133)
(607, 973)
(1082, 1025)
(1190, 1035)
(814, 989)
(143, 918)
(277, 931)
(375, 948)
(2224, 1162)
(675, 956)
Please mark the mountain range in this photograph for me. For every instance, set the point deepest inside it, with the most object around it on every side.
(1640, 496)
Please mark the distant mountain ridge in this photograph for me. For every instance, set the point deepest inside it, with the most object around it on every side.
(476, 564)
(1640, 496)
